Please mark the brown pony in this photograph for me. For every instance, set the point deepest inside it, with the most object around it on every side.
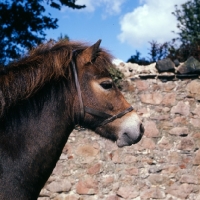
(43, 96)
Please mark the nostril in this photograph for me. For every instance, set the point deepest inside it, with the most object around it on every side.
(141, 128)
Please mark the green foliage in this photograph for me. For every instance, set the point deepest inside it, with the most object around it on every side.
(156, 52)
(188, 16)
(183, 52)
(22, 24)
(65, 37)
(116, 75)
(137, 59)
(59, 3)
(185, 45)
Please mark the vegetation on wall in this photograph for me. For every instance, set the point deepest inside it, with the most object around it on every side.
(116, 75)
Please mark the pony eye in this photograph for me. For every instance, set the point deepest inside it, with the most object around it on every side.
(106, 85)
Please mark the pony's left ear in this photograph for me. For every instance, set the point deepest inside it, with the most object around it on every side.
(89, 54)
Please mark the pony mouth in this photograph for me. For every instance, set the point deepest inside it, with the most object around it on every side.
(126, 140)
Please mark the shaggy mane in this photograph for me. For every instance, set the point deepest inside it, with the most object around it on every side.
(23, 78)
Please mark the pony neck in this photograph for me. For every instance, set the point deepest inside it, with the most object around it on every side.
(34, 146)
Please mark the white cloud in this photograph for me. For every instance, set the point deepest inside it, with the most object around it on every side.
(112, 7)
(153, 20)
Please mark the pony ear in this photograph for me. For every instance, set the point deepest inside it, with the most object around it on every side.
(90, 53)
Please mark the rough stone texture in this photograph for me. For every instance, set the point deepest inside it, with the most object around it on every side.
(176, 62)
(165, 65)
(164, 165)
(151, 98)
(190, 66)
(151, 129)
(180, 131)
(165, 70)
(59, 186)
(87, 186)
(193, 89)
(182, 108)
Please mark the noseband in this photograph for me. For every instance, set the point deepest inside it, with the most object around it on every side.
(84, 109)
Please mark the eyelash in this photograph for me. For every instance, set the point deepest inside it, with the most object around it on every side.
(106, 85)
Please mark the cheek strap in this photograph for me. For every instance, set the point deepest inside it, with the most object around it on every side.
(108, 118)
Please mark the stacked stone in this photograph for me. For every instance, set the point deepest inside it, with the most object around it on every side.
(163, 69)
(165, 164)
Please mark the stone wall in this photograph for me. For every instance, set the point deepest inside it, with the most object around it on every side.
(165, 164)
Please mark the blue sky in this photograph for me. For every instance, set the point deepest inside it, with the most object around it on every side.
(123, 25)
